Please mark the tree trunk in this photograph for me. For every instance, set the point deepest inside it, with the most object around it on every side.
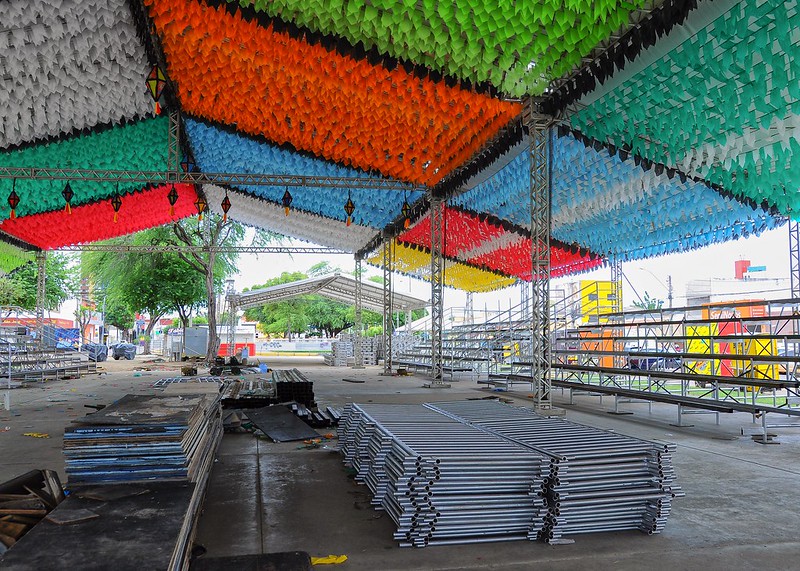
(149, 333)
(213, 336)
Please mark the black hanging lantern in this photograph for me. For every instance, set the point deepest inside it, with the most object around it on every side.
(286, 201)
(172, 196)
(201, 206)
(68, 194)
(406, 210)
(116, 204)
(13, 199)
(226, 205)
(349, 208)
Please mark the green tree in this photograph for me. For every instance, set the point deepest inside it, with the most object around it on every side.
(648, 302)
(19, 287)
(118, 314)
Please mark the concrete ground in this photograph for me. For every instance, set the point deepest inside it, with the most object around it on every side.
(740, 510)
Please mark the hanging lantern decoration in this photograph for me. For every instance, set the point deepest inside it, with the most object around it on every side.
(13, 199)
(116, 204)
(406, 210)
(286, 201)
(156, 81)
(349, 208)
(172, 196)
(226, 205)
(201, 206)
(187, 164)
(68, 194)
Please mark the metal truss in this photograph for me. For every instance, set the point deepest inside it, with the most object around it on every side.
(179, 248)
(230, 296)
(540, 133)
(233, 179)
(469, 309)
(437, 290)
(174, 143)
(388, 322)
(41, 276)
(358, 353)
(616, 308)
(794, 257)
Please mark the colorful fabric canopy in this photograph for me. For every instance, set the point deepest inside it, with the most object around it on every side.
(297, 224)
(68, 66)
(516, 46)
(614, 207)
(12, 257)
(230, 68)
(416, 261)
(95, 221)
(219, 150)
(493, 245)
(134, 146)
(723, 105)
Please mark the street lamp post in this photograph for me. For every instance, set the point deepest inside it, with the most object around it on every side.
(667, 286)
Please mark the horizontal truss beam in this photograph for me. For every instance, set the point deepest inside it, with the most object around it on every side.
(218, 178)
(179, 248)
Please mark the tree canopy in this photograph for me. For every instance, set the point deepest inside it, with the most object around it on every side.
(19, 287)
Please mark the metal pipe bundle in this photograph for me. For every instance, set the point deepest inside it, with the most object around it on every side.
(441, 480)
(598, 480)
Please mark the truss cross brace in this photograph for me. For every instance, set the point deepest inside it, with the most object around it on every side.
(388, 322)
(358, 353)
(794, 257)
(539, 128)
(437, 290)
(41, 276)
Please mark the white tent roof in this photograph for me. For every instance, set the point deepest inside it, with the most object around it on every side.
(338, 287)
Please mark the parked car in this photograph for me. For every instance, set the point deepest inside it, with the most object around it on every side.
(95, 351)
(126, 350)
(650, 362)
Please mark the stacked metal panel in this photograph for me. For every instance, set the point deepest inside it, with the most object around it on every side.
(142, 438)
(598, 480)
(441, 480)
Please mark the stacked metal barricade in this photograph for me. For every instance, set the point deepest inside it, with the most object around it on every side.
(441, 480)
(598, 480)
(473, 471)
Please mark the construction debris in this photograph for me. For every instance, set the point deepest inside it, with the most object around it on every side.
(24, 501)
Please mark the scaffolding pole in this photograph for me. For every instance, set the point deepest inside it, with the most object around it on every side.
(794, 257)
(616, 307)
(437, 291)
(358, 353)
(41, 299)
(230, 295)
(469, 310)
(388, 322)
(540, 132)
(174, 145)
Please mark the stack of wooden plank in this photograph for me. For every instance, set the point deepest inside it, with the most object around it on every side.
(143, 438)
(24, 501)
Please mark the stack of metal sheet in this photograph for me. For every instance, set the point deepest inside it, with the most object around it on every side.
(598, 480)
(441, 480)
(142, 438)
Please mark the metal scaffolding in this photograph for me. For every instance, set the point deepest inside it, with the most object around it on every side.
(182, 248)
(174, 144)
(358, 354)
(616, 284)
(388, 322)
(41, 298)
(618, 343)
(794, 257)
(230, 296)
(218, 178)
(540, 133)
(437, 292)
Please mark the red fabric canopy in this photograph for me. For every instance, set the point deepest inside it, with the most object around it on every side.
(94, 222)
